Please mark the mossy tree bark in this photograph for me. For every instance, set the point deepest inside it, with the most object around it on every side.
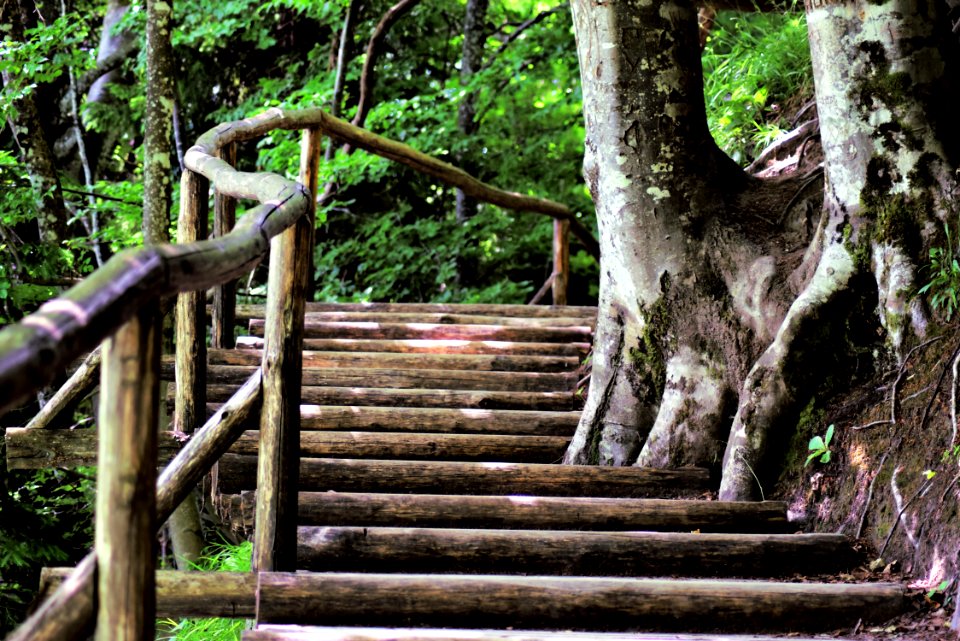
(714, 300)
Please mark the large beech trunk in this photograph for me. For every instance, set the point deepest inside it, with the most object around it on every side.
(704, 314)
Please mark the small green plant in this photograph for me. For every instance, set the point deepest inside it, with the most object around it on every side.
(820, 446)
(944, 283)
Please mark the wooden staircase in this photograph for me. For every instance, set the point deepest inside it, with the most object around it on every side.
(432, 505)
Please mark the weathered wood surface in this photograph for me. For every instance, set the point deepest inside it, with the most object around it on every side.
(436, 331)
(278, 465)
(82, 381)
(246, 312)
(454, 477)
(407, 446)
(452, 319)
(67, 615)
(189, 594)
(539, 512)
(379, 377)
(418, 346)
(307, 633)
(29, 449)
(388, 549)
(561, 261)
(190, 328)
(391, 360)
(446, 420)
(224, 295)
(126, 480)
(474, 399)
(570, 602)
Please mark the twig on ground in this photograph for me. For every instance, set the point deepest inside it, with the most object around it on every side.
(894, 399)
(943, 497)
(936, 388)
(866, 503)
(920, 492)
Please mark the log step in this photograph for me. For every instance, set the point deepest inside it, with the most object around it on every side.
(440, 318)
(538, 512)
(308, 633)
(435, 331)
(388, 397)
(421, 346)
(386, 549)
(485, 309)
(430, 419)
(401, 378)
(413, 446)
(391, 360)
(238, 472)
(570, 602)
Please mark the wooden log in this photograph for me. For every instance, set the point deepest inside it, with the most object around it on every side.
(570, 602)
(561, 260)
(403, 378)
(225, 294)
(417, 346)
(452, 477)
(29, 449)
(407, 446)
(539, 512)
(476, 399)
(191, 330)
(68, 614)
(83, 379)
(180, 594)
(126, 480)
(451, 319)
(278, 470)
(429, 419)
(246, 312)
(437, 331)
(309, 633)
(471, 362)
(386, 549)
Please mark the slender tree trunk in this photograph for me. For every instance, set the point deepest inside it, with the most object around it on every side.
(30, 138)
(184, 524)
(474, 35)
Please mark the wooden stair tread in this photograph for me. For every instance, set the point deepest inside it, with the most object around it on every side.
(436, 419)
(568, 552)
(538, 512)
(450, 318)
(378, 377)
(417, 446)
(434, 331)
(432, 346)
(308, 633)
(396, 360)
(518, 311)
(565, 602)
(237, 473)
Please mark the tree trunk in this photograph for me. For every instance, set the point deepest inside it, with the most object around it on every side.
(703, 313)
(474, 35)
(29, 136)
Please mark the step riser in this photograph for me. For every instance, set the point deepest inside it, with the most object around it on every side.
(237, 473)
(345, 549)
(611, 604)
(401, 379)
(536, 513)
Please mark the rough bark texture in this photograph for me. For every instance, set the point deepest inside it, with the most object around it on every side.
(474, 35)
(703, 313)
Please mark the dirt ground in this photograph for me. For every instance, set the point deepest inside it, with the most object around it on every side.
(891, 483)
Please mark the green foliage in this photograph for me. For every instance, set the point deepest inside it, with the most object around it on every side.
(819, 446)
(754, 64)
(944, 272)
(218, 558)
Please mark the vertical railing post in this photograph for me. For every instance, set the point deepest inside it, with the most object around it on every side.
(127, 480)
(225, 295)
(278, 463)
(561, 260)
(191, 355)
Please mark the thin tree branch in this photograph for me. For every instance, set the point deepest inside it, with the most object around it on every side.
(346, 35)
(523, 26)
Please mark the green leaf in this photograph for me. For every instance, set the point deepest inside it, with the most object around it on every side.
(826, 457)
(829, 436)
(816, 443)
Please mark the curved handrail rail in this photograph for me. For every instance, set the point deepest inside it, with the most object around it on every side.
(35, 349)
